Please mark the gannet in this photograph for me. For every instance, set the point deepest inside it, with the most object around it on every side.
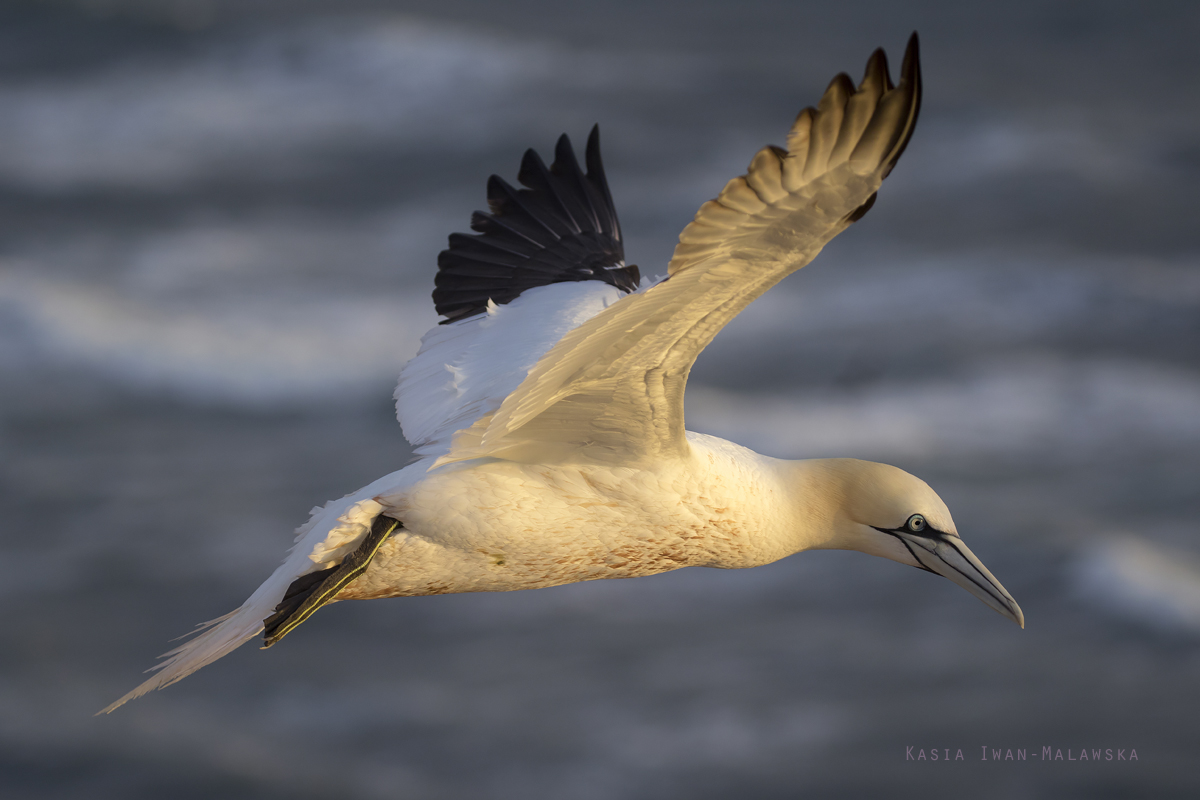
(546, 407)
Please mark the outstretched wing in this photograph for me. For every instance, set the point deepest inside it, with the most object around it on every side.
(547, 258)
(612, 388)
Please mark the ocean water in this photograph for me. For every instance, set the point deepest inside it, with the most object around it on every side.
(219, 225)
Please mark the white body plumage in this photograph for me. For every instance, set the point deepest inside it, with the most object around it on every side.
(503, 525)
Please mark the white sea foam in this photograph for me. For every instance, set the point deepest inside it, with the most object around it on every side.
(265, 98)
(1006, 295)
(954, 152)
(273, 255)
(1140, 582)
(260, 311)
(233, 349)
(1074, 407)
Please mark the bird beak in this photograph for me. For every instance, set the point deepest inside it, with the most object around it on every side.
(945, 554)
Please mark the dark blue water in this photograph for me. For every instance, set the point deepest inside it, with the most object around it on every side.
(218, 230)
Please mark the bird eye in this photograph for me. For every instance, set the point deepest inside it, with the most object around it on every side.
(916, 523)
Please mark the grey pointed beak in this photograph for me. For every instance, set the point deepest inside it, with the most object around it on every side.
(945, 554)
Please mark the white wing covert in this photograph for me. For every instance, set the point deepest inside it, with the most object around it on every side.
(465, 369)
(612, 388)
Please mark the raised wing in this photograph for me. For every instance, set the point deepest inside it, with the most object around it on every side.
(612, 389)
(547, 258)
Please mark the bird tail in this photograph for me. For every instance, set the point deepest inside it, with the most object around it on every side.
(215, 638)
(333, 532)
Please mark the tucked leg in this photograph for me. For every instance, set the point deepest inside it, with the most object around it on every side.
(309, 592)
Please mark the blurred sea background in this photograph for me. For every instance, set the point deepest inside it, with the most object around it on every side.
(219, 224)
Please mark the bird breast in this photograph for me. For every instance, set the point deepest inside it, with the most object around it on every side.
(501, 525)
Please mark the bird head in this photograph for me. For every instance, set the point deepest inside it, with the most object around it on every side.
(884, 511)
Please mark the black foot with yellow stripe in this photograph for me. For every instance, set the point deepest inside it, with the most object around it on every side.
(309, 592)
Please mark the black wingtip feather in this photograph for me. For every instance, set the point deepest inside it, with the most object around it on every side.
(910, 82)
(561, 227)
(536, 176)
(912, 56)
(861, 211)
(595, 171)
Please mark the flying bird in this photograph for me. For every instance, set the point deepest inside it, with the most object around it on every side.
(546, 407)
